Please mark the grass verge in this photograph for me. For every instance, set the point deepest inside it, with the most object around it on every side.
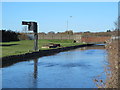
(26, 46)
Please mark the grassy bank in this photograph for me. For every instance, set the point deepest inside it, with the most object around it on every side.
(25, 46)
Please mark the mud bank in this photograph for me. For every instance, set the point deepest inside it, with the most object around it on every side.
(9, 60)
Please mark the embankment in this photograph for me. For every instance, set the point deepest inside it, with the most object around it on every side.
(9, 60)
(114, 64)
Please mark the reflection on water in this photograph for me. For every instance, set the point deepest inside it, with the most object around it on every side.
(35, 68)
(71, 69)
(35, 73)
(93, 47)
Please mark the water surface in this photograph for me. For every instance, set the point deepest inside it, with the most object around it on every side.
(71, 69)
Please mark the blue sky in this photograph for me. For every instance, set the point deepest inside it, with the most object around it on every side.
(53, 16)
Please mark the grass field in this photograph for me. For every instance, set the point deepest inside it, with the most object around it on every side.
(25, 46)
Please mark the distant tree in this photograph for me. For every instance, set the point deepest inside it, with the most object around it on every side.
(43, 33)
(51, 32)
(58, 32)
(70, 32)
(108, 30)
(87, 32)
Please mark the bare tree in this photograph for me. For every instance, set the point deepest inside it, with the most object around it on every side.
(117, 24)
(117, 27)
(24, 29)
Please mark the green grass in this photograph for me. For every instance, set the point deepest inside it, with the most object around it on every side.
(26, 46)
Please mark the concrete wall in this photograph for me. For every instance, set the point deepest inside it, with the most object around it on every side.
(56, 36)
(78, 38)
(95, 39)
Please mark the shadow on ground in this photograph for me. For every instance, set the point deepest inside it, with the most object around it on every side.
(8, 44)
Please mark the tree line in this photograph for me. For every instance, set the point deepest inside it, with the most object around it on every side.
(8, 35)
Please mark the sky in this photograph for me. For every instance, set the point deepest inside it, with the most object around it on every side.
(53, 16)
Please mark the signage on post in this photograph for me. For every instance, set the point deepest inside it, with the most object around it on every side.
(32, 26)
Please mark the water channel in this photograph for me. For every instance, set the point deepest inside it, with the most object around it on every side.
(70, 69)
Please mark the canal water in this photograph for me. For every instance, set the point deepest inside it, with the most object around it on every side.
(70, 69)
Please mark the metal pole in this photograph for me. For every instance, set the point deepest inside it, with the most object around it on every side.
(35, 37)
(67, 24)
(35, 41)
